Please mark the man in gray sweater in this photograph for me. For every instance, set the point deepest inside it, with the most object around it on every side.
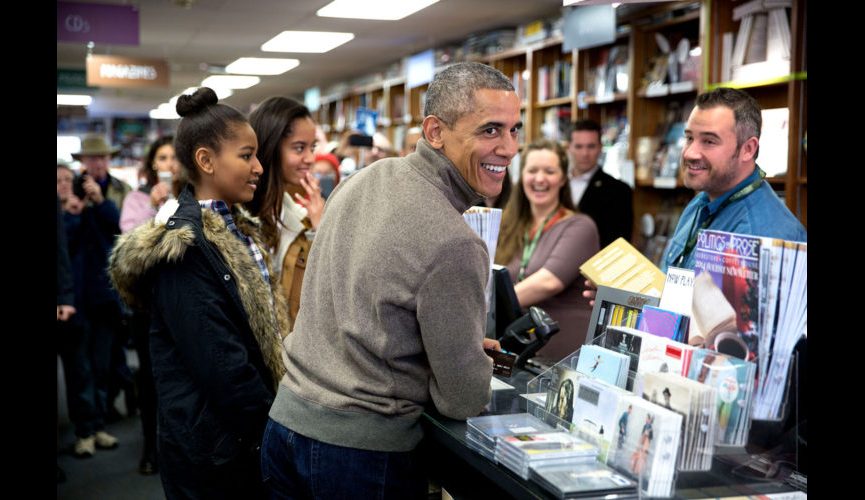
(393, 306)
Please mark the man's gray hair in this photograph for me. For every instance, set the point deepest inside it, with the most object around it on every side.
(451, 93)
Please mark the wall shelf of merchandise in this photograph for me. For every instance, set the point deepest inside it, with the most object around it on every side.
(643, 84)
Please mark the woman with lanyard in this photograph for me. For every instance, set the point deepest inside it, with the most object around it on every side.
(543, 242)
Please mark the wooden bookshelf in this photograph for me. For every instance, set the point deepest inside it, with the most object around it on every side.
(646, 110)
(788, 90)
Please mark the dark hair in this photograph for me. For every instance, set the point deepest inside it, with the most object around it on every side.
(746, 112)
(149, 167)
(517, 217)
(585, 126)
(204, 123)
(272, 121)
(451, 93)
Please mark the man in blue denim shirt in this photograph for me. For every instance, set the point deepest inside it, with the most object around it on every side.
(719, 162)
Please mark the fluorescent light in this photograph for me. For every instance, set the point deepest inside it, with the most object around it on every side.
(66, 145)
(230, 81)
(316, 42)
(73, 100)
(261, 66)
(165, 111)
(385, 10)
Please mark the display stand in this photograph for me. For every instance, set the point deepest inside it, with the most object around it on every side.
(638, 439)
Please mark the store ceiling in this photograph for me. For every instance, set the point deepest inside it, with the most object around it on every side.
(216, 32)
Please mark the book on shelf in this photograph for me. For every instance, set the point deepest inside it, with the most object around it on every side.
(747, 9)
(757, 38)
(778, 35)
(742, 37)
(726, 56)
(774, 141)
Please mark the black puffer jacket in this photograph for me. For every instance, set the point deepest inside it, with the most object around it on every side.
(215, 334)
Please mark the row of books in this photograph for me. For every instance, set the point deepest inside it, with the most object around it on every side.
(554, 81)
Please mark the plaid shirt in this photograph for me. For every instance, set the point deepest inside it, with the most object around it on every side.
(222, 209)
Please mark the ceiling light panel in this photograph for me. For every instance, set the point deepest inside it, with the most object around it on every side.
(384, 10)
(312, 42)
(73, 100)
(261, 66)
(230, 81)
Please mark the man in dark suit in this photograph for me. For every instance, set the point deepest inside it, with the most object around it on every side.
(608, 201)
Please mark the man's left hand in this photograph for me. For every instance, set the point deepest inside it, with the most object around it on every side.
(492, 344)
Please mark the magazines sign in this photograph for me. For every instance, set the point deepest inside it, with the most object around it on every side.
(115, 71)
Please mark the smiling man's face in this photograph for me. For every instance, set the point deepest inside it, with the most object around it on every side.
(481, 143)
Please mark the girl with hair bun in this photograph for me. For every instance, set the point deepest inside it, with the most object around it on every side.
(216, 317)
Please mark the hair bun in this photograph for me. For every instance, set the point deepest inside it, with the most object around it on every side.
(197, 102)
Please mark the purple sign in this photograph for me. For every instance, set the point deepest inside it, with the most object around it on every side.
(92, 22)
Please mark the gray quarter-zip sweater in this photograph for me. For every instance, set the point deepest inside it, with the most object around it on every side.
(392, 309)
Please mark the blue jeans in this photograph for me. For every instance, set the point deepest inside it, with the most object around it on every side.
(294, 466)
(73, 337)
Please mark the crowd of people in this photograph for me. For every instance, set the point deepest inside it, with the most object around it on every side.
(292, 304)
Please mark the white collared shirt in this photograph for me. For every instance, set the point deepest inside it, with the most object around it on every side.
(579, 184)
(292, 215)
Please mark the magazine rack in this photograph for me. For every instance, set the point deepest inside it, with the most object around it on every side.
(656, 480)
(733, 380)
(782, 443)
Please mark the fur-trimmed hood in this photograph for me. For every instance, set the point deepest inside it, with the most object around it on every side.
(137, 253)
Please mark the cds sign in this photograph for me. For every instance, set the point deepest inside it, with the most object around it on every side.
(115, 71)
(91, 22)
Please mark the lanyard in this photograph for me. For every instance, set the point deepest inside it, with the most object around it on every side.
(692, 234)
(529, 247)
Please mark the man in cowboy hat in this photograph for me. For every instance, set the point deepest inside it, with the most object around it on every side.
(94, 156)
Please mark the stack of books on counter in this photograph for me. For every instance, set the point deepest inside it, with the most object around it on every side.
(584, 480)
(483, 432)
(523, 451)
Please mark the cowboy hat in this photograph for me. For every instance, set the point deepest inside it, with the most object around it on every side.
(95, 145)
